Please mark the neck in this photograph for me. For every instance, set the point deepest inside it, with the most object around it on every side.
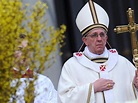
(92, 55)
(26, 74)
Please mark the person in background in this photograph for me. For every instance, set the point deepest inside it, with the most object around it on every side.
(96, 74)
(44, 89)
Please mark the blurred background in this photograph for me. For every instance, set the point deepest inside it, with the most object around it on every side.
(65, 12)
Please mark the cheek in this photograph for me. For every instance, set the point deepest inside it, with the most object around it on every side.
(91, 42)
(24, 43)
(104, 42)
(18, 54)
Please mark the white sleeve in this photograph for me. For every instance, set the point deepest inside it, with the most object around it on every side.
(46, 91)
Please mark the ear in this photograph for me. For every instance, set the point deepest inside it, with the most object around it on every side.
(84, 39)
(106, 37)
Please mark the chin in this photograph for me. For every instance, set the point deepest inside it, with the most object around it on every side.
(100, 51)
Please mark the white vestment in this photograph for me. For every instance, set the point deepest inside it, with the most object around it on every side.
(44, 90)
(79, 72)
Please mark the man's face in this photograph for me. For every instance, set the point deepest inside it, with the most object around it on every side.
(22, 61)
(96, 40)
(18, 53)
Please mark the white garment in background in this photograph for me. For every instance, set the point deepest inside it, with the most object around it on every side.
(44, 90)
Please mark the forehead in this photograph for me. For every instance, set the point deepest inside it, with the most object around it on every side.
(96, 30)
(23, 43)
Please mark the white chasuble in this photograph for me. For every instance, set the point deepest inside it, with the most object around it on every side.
(79, 72)
(103, 69)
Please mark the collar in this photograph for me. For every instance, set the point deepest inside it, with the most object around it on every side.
(92, 55)
(28, 73)
(98, 67)
(22, 72)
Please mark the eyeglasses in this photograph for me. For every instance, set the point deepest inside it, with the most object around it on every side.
(95, 35)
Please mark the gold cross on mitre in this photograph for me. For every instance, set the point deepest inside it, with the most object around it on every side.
(132, 27)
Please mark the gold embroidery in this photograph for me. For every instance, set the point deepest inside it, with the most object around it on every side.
(134, 91)
(102, 92)
(89, 93)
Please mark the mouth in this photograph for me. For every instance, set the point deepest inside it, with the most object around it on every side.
(99, 45)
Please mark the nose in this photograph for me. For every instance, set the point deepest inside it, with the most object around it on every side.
(18, 54)
(99, 37)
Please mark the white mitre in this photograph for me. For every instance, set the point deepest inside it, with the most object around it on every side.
(91, 16)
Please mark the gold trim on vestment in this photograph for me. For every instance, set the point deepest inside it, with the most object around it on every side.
(89, 93)
(99, 60)
(102, 92)
(134, 91)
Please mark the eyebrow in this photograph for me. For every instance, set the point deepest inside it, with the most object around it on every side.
(22, 36)
(97, 33)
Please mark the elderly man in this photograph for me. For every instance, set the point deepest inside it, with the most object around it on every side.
(96, 75)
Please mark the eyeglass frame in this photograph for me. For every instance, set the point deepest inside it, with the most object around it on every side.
(95, 35)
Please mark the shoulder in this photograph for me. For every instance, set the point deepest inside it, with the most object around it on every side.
(41, 76)
(70, 60)
(74, 60)
(120, 57)
(42, 79)
(123, 59)
(113, 51)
